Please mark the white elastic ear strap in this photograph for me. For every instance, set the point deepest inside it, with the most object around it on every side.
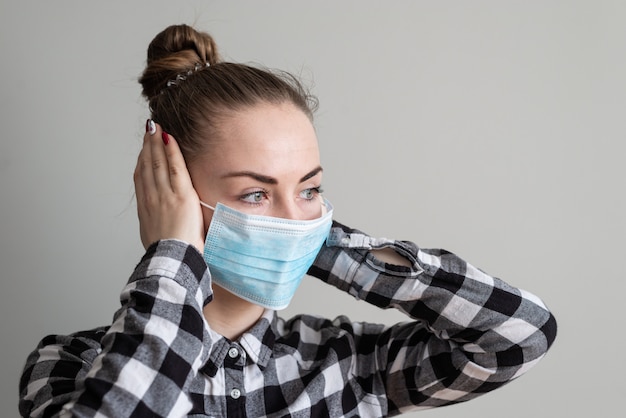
(207, 206)
(324, 208)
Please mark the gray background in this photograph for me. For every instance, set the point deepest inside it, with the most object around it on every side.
(494, 129)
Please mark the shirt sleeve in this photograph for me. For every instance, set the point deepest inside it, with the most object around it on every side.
(142, 363)
(471, 332)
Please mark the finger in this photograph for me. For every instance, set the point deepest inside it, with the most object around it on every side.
(159, 162)
(145, 188)
(140, 186)
(143, 171)
(146, 192)
(179, 177)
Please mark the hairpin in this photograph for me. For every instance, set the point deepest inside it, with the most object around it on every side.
(182, 77)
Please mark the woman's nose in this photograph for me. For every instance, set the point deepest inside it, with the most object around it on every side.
(287, 210)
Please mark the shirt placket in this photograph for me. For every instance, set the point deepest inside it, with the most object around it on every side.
(234, 362)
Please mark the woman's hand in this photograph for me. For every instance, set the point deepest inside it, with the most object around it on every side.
(167, 204)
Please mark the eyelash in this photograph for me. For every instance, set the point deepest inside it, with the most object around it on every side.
(243, 197)
(316, 190)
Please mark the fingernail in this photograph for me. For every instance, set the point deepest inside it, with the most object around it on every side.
(166, 137)
(150, 126)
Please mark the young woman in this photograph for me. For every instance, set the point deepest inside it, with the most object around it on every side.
(232, 217)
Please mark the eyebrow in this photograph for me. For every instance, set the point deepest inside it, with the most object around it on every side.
(270, 180)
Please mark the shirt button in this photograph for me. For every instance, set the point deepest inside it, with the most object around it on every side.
(235, 393)
(233, 352)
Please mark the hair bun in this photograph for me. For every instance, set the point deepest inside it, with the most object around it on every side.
(175, 50)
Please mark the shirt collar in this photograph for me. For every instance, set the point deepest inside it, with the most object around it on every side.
(258, 343)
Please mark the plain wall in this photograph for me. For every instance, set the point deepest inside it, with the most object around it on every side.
(493, 129)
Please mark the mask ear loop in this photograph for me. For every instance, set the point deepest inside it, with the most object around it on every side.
(207, 206)
(324, 208)
(322, 201)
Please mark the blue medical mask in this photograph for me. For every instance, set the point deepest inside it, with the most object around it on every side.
(263, 259)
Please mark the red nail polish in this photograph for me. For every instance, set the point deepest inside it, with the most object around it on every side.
(147, 125)
(166, 137)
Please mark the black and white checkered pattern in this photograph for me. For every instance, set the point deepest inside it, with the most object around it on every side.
(466, 334)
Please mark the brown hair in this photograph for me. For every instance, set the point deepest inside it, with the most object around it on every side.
(190, 90)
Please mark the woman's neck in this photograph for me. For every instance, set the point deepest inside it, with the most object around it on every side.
(229, 315)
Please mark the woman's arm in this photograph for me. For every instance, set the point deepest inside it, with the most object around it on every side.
(472, 332)
(142, 364)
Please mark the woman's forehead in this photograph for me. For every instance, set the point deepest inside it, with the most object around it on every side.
(267, 132)
(269, 139)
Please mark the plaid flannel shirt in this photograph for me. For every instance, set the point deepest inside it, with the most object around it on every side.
(466, 334)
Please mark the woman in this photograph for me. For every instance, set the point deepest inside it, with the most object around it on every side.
(232, 217)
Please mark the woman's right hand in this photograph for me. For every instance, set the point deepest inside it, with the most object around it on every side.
(167, 204)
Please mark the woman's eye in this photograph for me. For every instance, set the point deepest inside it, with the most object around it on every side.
(309, 194)
(254, 197)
